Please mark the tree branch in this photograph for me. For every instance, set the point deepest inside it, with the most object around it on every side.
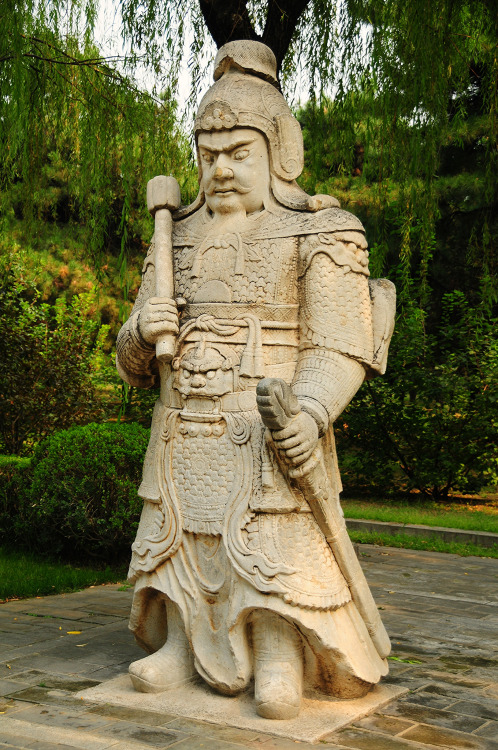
(281, 22)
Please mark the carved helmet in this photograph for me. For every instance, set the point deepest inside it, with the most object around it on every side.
(246, 94)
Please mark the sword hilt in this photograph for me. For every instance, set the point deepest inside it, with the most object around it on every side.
(276, 402)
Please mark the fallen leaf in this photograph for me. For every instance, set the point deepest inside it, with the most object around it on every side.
(73, 632)
(81, 645)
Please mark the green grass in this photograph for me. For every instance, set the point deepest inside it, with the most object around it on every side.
(452, 515)
(23, 575)
(433, 545)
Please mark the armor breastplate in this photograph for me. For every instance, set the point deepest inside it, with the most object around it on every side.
(243, 292)
(232, 269)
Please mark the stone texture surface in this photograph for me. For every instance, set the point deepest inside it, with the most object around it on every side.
(318, 716)
(448, 651)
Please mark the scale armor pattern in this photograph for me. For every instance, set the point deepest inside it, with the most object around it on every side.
(295, 540)
(202, 468)
(335, 307)
(270, 276)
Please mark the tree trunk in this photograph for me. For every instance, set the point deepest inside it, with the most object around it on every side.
(228, 20)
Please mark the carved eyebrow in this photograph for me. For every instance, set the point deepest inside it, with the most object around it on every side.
(232, 147)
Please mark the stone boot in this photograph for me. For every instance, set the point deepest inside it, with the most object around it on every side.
(278, 666)
(172, 664)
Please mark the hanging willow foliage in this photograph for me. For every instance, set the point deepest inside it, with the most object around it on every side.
(67, 113)
(404, 77)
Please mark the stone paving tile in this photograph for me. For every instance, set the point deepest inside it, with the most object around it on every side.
(25, 677)
(9, 739)
(149, 718)
(69, 718)
(10, 706)
(56, 735)
(151, 736)
(436, 716)
(107, 673)
(456, 680)
(421, 698)
(48, 697)
(42, 745)
(60, 613)
(65, 682)
(197, 743)
(96, 618)
(384, 724)
(104, 653)
(454, 691)
(485, 709)
(447, 738)
(488, 730)
(55, 664)
(9, 686)
(9, 640)
(363, 740)
(213, 731)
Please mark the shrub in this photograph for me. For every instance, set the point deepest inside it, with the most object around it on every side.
(15, 481)
(49, 358)
(82, 499)
(431, 422)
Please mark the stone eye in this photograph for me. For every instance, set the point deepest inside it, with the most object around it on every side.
(207, 157)
(210, 374)
(186, 374)
(241, 155)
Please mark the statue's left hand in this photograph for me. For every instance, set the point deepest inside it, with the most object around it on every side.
(298, 440)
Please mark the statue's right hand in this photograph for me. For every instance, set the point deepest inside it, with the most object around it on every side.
(158, 316)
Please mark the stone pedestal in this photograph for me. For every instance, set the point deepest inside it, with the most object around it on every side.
(318, 717)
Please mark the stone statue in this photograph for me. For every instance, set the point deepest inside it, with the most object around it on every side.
(242, 565)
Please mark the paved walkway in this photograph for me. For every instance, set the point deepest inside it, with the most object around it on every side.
(440, 610)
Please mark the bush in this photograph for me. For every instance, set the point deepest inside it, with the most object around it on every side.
(431, 422)
(49, 360)
(81, 501)
(15, 481)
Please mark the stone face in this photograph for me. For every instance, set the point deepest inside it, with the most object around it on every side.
(257, 319)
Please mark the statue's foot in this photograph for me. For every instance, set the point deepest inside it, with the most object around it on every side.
(277, 689)
(172, 664)
(278, 666)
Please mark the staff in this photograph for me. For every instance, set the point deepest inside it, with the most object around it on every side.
(163, 197)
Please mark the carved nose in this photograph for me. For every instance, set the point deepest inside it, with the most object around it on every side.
(223, 173)
(198, 380)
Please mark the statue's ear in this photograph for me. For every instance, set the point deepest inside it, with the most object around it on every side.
(288, 157)
(175, 364)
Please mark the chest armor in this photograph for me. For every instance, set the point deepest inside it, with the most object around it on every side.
(242, 289)
(233, 269)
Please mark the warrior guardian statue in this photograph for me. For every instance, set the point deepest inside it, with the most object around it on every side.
(257, 319)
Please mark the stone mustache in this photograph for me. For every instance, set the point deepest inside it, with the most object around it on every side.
(242, 565)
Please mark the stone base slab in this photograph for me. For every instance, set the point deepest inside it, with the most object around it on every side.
(319, 715)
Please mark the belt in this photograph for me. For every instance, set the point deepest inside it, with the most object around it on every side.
(238, 401)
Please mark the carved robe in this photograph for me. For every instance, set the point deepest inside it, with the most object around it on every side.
(223, 532)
